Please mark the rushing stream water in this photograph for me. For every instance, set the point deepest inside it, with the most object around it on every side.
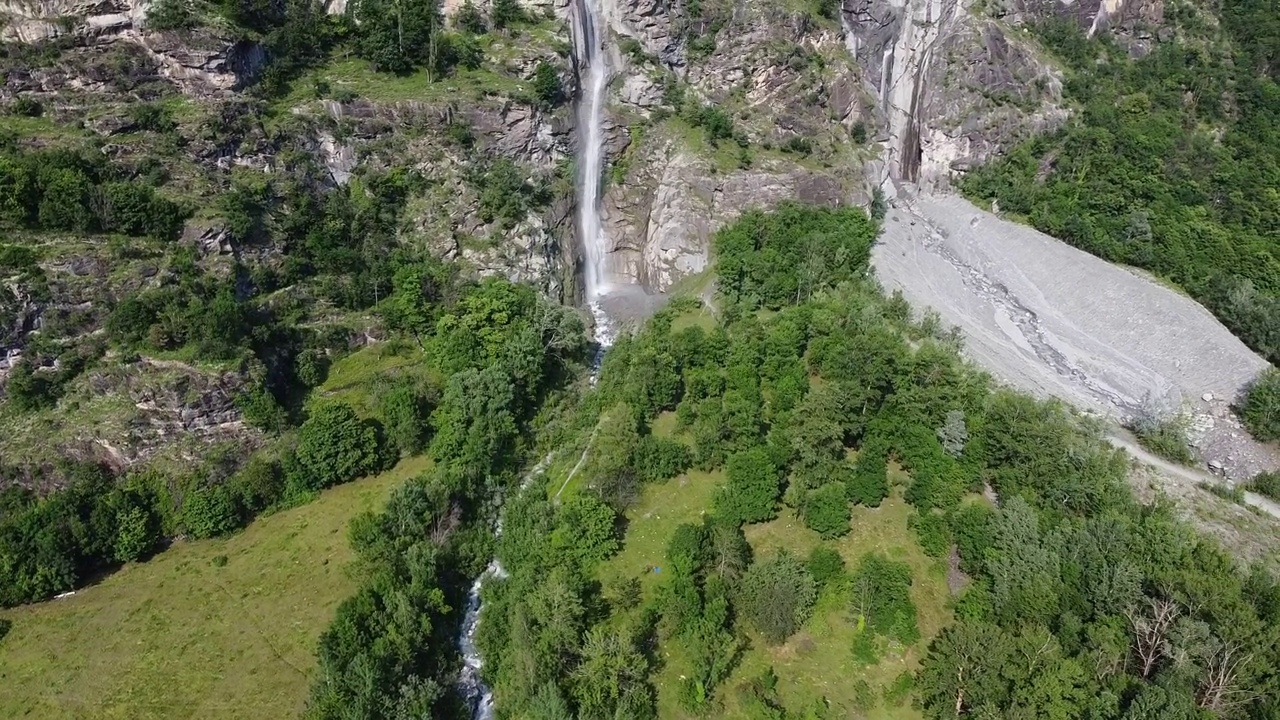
(589, 51)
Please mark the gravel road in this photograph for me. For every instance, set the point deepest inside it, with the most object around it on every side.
(1045, 317)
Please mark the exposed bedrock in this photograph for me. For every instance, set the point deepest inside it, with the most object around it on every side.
(660, 222)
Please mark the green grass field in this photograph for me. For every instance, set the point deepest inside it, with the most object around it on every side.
(359, 378)
(179, 637)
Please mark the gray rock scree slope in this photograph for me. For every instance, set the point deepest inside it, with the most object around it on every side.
(1053, 320)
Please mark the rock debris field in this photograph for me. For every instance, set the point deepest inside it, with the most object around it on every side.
(1047, 318)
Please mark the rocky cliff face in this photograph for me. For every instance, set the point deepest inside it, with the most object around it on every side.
(952, 88)
(956, 83)
(200, 62)
(779, 78)
(939, 85)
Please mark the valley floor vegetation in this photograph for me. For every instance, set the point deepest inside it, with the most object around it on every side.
(833, 469)
(223, 627)
(1071, 598)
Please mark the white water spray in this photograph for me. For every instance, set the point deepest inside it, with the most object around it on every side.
(591, 56)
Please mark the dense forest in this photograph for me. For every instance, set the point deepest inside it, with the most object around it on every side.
(1082, 602)
(800, 394)
(1171, 162)
(337, 252)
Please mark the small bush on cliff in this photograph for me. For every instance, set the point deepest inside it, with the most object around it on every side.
(171, 15)
(546, 86)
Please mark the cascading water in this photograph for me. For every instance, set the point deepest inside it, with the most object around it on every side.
(590, 53)
(591, 56)
(470, 684)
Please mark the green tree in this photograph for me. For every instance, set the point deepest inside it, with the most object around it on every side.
(546, 85)
(826, 510)
(405, 414)
(549, 704)
(398, 35)
(311, 367)
(171, 15)
(505, 13)
(825, 565)
(882, 598)
(28, 390)
(585, 531)
(137, 534)
(964, 672)
(611, 679)
(609, 465)
(335, 446)
(475, 423)
(777, 595)
(869, 484)
(470, 19)
(209, 511)
(64, 200)
(750, 493)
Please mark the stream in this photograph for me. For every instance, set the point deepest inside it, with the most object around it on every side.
(589, 51)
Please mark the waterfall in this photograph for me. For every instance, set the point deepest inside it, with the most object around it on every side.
(589, 51)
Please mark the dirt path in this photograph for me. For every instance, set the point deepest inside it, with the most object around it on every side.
(1181, 473)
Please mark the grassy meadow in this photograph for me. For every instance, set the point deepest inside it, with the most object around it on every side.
(189, 634)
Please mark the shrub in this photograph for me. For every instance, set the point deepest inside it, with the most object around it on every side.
(714, 121)
(826, 510)
(470, 18)
(335, 446)
(750, 493)
(546, 85)
(658, 458)
(1261, 408)
(64, 203)
(311, 368)
(260, 409)
(257, 486)
(777, 595)
(1168, 439)
(171, 15)
(209, 512)
(137, 534)
(1266, 483)
(870, 482)
(5, 626)
(825, 565)
(219, 561)
(798, 145)
(863, 648)
(29, 390)
(405, 413)
(931, 532)
(864, 699)
(859, 133)
(882, 598)
(899, 691)
(27, 107)
(504, 13)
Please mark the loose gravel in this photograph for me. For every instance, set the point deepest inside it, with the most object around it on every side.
(1045, 317)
